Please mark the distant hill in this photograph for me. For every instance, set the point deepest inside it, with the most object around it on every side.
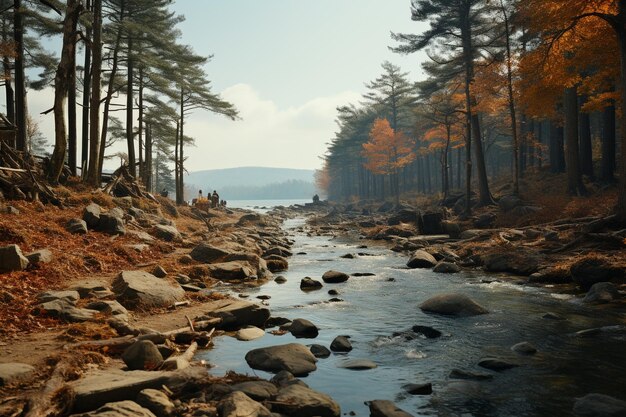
(250, 183)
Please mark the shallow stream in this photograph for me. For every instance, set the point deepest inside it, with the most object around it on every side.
(375, 307)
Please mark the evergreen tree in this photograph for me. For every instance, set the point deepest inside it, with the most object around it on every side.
(459, 31)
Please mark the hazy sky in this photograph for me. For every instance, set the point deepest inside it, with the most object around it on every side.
(286, 65)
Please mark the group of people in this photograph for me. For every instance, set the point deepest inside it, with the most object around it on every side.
(214, 199)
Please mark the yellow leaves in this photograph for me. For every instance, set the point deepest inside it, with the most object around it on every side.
(387, 150)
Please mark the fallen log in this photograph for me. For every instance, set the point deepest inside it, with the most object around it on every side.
(56, 398)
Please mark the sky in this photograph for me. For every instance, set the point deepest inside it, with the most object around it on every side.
(285, 65)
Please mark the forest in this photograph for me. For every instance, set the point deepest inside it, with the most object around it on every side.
(511, 88)
(132, 62)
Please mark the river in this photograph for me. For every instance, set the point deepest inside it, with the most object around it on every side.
(375, 307)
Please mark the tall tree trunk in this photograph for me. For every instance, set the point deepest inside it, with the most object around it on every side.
(140, 129)
(110, 92)
(86, 97)
(181, 145)
(570, 107)
(621, 36)
(148, 162)
(20, 80)
(585, 147)
(93, 174)
(607, 166)
(72, 136)
(62, 82)
(129, 110)
(177, 165)
(511, 99)
(8, 78)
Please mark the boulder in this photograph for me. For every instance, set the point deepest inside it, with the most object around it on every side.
(277, 263)
(334, 277)
(309, 284)
(12, 259)
(41, 256)
(497, 364)
(111, 224)
(421, 259)
(257, 390)
(232, 271)
(299, 400)
(292, 357)
(419, 389)
(519, 262)
(91, 215)
(358, 364)
(403, 216)
(509, 202)
(238, 404)
(207, 253)
(589, 271)
(249, 333)
(113, 307)
(430, 223)
(452, 305)
(524, 348)
(427, 331)
(276, 321)
(601, 292)
(279, 279)
(157, 402)
(319, 351)
(302, 328)
(70, 296)
(599, 405)
(167, 233)
(10, 372)
(98, 387)
(446, 268)
(485, 220)
(142, 355)
(119, 409)
(159, 272)
(384, 408)
(236, 314)
(341, 344)
(451, 228)
(76, 226)
(278, 250)
(474, 376)
(142, 289)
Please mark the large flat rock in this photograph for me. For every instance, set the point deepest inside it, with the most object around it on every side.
(12, 371)
(142, 289)
(101, 387)
(232, 271)
(236, 314)
(119, 409)
(301, 401)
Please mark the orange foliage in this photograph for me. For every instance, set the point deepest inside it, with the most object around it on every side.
(585, 55)
(387, 150)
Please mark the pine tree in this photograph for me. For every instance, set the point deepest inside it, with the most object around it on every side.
(459, 31)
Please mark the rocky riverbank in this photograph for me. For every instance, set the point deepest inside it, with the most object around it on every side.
(123, 343)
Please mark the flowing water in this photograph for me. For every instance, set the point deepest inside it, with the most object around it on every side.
(375, 307)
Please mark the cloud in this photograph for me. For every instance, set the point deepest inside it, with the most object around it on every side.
(266, 135)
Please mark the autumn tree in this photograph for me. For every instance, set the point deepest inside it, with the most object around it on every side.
(565, 30)
(387, 152)
(443, 113)
(459, 31)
